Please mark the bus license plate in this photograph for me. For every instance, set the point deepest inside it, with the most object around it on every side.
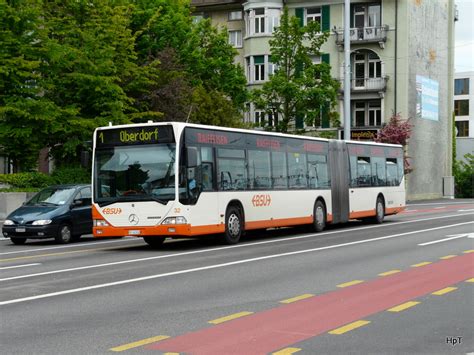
(20, 230)
(134, 232)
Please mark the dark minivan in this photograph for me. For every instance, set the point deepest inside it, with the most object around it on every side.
(62, 212)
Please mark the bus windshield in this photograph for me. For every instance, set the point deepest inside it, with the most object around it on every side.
(135, 173)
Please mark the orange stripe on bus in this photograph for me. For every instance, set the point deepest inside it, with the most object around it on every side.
(282, 222)
(362, 214)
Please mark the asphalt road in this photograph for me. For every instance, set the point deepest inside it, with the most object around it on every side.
(406, 286)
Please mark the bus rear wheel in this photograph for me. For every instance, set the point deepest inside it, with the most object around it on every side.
(233, 225)
(379, 211)
(154, 241)
(319, 220)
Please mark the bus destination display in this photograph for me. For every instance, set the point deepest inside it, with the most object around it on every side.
(135, 136)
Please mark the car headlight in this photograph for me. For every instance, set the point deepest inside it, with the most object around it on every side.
(100, 223)
(42, 222)
(8, 222)
(175, 220)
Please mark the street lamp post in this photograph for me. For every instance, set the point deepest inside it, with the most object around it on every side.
(347, 72)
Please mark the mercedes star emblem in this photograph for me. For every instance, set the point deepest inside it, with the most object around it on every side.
(133, 219)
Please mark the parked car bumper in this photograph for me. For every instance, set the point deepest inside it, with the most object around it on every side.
(30, 232)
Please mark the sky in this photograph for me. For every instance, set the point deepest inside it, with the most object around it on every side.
(464, 42)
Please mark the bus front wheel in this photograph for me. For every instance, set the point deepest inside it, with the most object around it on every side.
(233, 225)
(154, 241)
(319, 221)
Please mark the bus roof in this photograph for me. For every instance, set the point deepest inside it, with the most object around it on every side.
(182, 125)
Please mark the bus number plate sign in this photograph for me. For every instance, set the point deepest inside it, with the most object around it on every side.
(261, 200)
(134, 232)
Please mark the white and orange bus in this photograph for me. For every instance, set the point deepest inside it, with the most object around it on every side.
(159, 180)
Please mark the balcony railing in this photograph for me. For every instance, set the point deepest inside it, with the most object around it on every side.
(363, 35)
(367, 84)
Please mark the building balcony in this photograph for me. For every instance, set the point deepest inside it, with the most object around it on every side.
(363, 35)
(367, 85)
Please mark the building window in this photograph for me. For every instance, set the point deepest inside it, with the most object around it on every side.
(366, 15)
(461, 107)
(313, 14)
(461, 86)
(259, 118)
(259, 67)
(235, 38)
(462, 128)
(259, 20)
(272, 68)
(367, 113)
(198, 17)
(273, 119)
(235, 15)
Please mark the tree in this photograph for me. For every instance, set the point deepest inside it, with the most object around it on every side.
(26, 115)
(397, 131)
(298, 89)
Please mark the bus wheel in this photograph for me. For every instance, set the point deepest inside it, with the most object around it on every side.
(154, 241)
(319, 221)
(233, 225)
(379, 211)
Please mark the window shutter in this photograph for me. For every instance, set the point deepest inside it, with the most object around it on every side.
(325, 58)
(325, 26)
(299, 13)
(325, 116)
(299, 121)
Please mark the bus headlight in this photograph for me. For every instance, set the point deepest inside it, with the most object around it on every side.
(100, 223)
(175, 220)
(41, 222)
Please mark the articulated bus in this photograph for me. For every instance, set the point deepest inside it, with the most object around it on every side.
(161, 180)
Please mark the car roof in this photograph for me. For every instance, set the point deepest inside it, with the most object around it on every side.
(62, 186)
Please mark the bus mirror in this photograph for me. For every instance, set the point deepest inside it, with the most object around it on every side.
(192, 157)
(85, 159)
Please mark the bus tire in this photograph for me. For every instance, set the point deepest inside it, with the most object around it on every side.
(233, 225)
(320, 216)
(379, 211)
(154, 241)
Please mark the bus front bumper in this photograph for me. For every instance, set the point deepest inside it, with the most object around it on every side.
(182, 230)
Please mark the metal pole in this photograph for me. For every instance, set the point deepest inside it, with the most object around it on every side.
(347, 71)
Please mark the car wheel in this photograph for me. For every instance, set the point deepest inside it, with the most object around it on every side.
(233, 225)
(64, 234)
(154, 241)
(319, 220)
(18, 241)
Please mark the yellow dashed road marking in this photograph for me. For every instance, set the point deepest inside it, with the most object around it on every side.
(422, 264)
(139, 343)
(444, 291)
(230, 317)
(297, 298)
(287, 351)
(470, 280)
(448, 257)
(350, 283)
(468, 251)
(391, 272)
(349, 327)
(403, 306)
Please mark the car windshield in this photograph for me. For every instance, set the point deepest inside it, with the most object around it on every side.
(52, 196)
(135, 173)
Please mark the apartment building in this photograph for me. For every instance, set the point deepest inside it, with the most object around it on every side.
(401, 61)
(464, 113)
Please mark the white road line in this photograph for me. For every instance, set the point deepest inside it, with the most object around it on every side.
(465, 210)
(71, 246)
(18, 266)
(216, 266)
(443, 240)
(441, 203)
(242, 245)
(438, 208)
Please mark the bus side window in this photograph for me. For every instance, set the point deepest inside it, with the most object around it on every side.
(378, 171)
(392, 172)
(207, 168)
(364, 174)
(279, 171)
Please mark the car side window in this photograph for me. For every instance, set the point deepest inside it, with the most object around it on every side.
(85, 195)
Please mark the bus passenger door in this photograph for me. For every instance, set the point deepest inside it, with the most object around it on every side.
(339, 167)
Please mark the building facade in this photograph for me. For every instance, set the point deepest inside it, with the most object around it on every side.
(401, 61)
(464, 113)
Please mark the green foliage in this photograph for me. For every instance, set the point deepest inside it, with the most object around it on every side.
(298, 88)
(464, 177)
(27, 180)
(71, 175)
